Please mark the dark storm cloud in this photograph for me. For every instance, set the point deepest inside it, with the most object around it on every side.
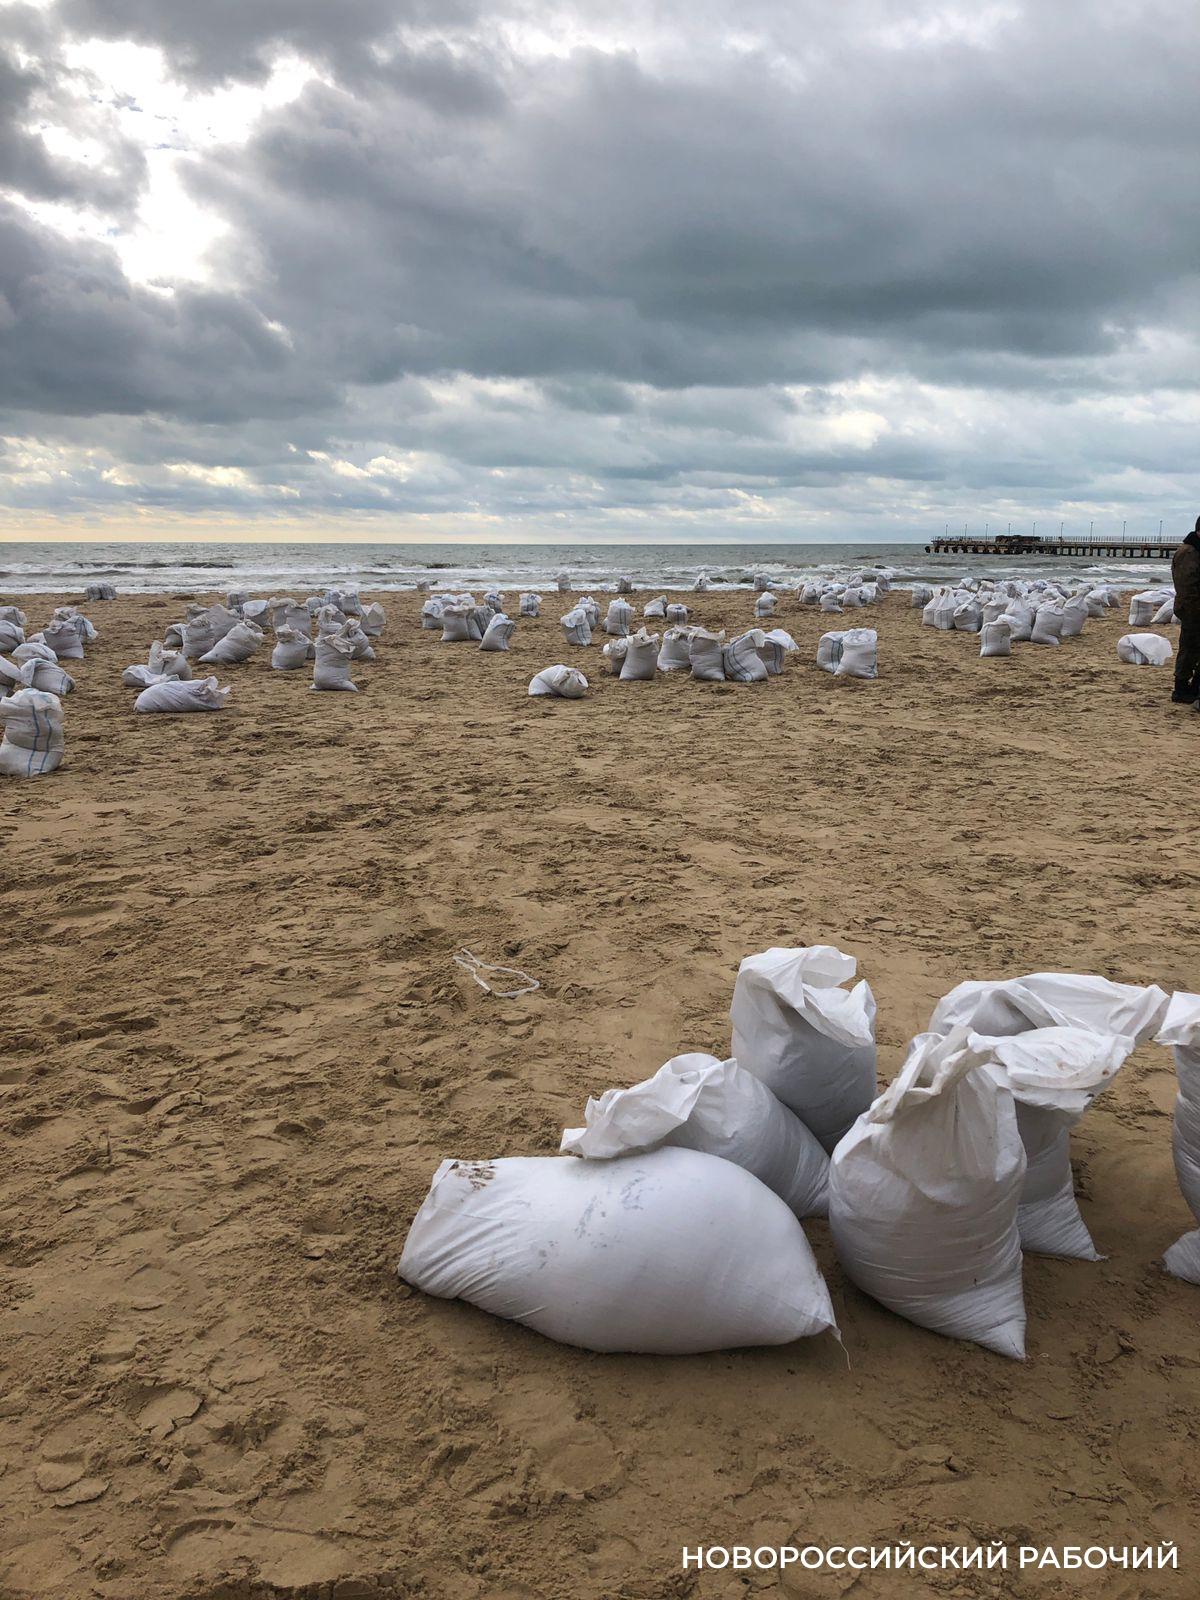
(1002, 206)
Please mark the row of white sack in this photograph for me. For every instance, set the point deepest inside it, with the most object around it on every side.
(1050, 623)
(99, 591)
(291, 651)
(933, 1189)
(1152, 608)
(711, 658)
(209, 629)
(166, 681)
(347, 601)
(65, 635)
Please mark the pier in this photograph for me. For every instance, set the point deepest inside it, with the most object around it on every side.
(1021, 544)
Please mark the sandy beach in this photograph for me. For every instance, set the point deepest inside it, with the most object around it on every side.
(235, 1046)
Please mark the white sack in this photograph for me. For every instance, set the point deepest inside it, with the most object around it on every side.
(239, 644)
(576, 627)
(669, 1253)
(923, 1196)
(1020, 617)
(32, 744)
(431, 615)
(619, 618)
(11, 636)
(919, 596)
(677, 614)
(1051, 1000)
(859, 654)
(28, 649)
(675, 654)
(613, 655)
(178, 695)
(456, 624)
(332, 667)
(1181, 1030)
(764, 606)
(741, 659)
(1074, 615)
(564, 682)
(1165, 613)
(1144, 650)
(706, 655)
(1142, 608)
(1047, 626)
(699, 1103)
(1054, 1074)
(563, 581)
(829, 651)
(968, 617)
(63, 638)
(360, 646)
(775, 646)
(291, 650)
(995, 638)
(591, 609)
(640, 661)
(374, 619)
(655, 609)
(810, 1041)
(497, 633)
(531, 604)
(624, 585)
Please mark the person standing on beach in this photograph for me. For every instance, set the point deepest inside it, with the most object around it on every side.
(1185, 574)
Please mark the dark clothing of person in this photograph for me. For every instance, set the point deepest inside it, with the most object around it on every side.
(1185, 573)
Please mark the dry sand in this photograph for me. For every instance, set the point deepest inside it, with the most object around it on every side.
(235, 1046)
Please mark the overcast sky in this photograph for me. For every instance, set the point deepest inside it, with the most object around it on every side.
(703, 269)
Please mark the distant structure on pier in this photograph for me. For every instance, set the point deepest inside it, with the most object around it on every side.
(1026, 544)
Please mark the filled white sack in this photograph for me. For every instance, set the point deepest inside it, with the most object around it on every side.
(373, 620)
(612, 655)
(858, 657)
(810, 1041)
(775, 646)
(741, 660)
(700, 1103)
(619, 618)
(1142, 608)
(677, 614)
(923, 1197)
(495, 600)
(239, 644)
(563, 580)
(592, 610)
(32, 744)
(829, 651)
(456, 624)
(34, 673)
(1144, 650)
(1074, 615)
(995, 638)
(431, 615)
(655, 608)
(332, 667)
(564, 682)
(64, 638)
(706, 655)
(361, 648)
(12, 635)
(624, 585)
(968, 617)
(1181, 1030)
(497, 633)
(919, 596)
(178, 695)
(1165, 614)
(1054, 1074)
(291, 650)
(1047, 626)
(1051, 1000)
(675, 654)
(668, 1253)
(30, 649)
(764, 606)
(576, 627)
(640, 660)
(531, 604)
(1020, 616)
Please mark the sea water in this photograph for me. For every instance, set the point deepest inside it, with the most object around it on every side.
(140, 567)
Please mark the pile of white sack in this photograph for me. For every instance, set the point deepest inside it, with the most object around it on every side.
(99, 591)
(1004, 613)
(678, 1228)
(332, 631)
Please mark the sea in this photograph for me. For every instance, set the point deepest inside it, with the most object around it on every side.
(141, 567)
